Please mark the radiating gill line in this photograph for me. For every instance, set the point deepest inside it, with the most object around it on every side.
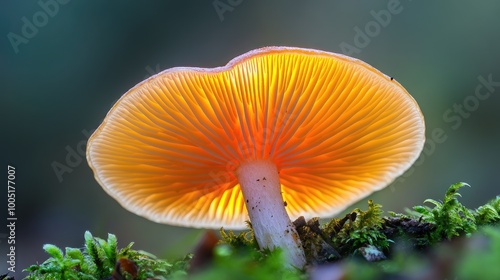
(265, 90)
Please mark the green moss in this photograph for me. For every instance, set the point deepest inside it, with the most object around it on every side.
(358, 229)
(488, 213)
(452, 219)
(101, 259)
(243, 239)
(450, 216)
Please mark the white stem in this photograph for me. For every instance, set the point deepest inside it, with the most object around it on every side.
(260, 184)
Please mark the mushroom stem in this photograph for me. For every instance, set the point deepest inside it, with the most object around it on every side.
(260, 184)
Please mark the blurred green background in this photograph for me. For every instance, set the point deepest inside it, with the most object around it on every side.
(60, 76)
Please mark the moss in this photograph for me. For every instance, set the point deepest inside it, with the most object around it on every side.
(101, 259)
(358, 229)
(450, 216)
(488, 213)
(243, 239)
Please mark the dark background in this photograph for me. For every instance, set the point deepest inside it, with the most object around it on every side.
(61, 82)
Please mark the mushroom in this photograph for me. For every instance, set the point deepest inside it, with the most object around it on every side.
(277, 132)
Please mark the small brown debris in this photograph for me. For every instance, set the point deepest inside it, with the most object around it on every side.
(123, 267)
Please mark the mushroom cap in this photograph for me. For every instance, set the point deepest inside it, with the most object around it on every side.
(336, 128)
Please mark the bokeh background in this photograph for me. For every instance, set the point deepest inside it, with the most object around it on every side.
(59, 81)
